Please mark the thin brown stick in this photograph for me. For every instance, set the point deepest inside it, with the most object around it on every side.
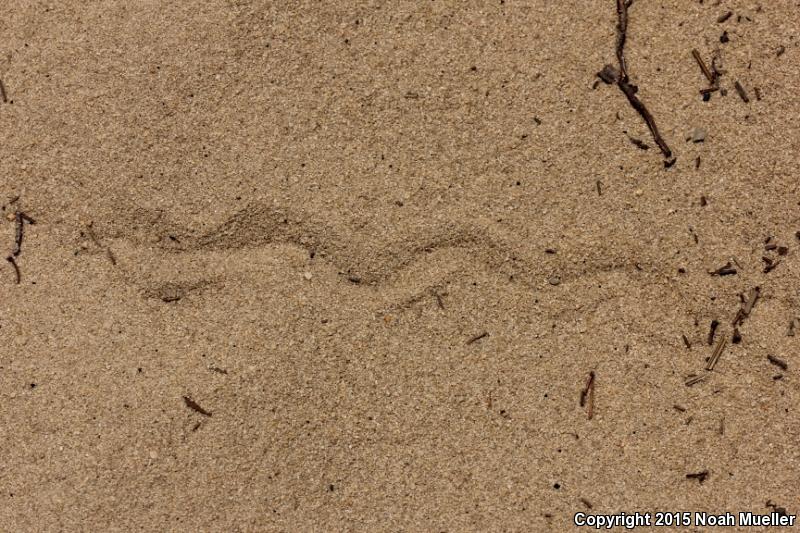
(194, 406)
(718, 349)
(587, 395)
(3, 92)
(11, 260)
(20, 219)
(780, 363)
(477, 337)
(609, 74)
(741, 91)
(622, 35)
(747, 306)
(693, 380)
(703, 67)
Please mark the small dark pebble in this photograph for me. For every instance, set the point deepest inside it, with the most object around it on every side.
(725, 16)
(609, 74)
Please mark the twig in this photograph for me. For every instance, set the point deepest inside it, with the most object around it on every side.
(439, 300)
(623, 81)
(693, 380)
(686, 342)
(703, 67)
(712, 331)
(725, 16)
(20, 219)
(194, 406)
(741, 91)
(726, 270)
(718, 349)
(700, 476)
(3, 92)
(587, 395)
(780, 363)
(619, 75)
(747, 306)
(11, 260)
(478, 337)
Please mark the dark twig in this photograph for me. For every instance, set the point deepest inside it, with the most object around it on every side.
(619, 75)
(11, 260)
(699, 476)
(3, 92)
(703, 67)
(194, 406)
(780, 363)
(20, 219)
(726, 270)
(712, 331)
(725, 16)
(741, 91)
(478, 337)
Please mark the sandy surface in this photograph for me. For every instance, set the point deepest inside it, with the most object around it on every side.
(299, 217)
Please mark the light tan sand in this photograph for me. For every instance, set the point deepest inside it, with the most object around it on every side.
(312, 208)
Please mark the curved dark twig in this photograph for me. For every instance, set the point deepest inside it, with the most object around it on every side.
(619, 75)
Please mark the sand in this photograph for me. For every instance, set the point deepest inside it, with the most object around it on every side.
(299, 217)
